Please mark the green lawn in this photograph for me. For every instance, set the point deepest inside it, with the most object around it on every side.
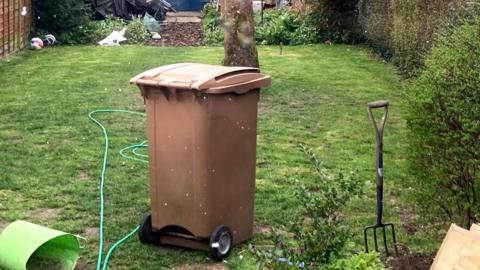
(50, 153)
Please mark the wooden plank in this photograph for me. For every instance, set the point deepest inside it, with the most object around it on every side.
(5, 27)
(460, 250)
(16, 30)
(28, 21)
(10, 25)
(2, 28)
(475, 228)
(22, 26)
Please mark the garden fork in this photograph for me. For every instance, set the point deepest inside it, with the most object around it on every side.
(379, 160)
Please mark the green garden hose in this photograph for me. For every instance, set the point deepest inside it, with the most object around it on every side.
(135, 156)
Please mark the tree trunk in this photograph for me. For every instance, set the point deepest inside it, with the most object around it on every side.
(239, 33)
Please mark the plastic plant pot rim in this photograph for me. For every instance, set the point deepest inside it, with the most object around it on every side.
(21, 239)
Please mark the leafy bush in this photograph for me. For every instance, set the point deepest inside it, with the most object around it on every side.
(278, 26)
(136, 32)
(443, 117)
(283, 26)
(318, 236)
(212, 25)
(59, 17)
(94, 31)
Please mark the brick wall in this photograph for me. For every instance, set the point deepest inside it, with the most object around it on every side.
(14, 28)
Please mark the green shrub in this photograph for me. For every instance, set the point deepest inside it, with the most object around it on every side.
(318, 236)
(210, 17)
(136, 32)
(213, 37)
(283, 26)
(278, 26)
(443, 117)
(94, 31)
(59, 17)
(212, 25)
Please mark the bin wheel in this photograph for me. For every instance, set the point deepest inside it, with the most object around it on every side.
(221, 242)
(146, 235)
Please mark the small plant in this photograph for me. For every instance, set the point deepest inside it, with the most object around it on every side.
(362, 261)
(136, 32)
(318, 235)
(320, 230)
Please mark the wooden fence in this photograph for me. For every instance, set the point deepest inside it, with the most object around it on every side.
(15, 25)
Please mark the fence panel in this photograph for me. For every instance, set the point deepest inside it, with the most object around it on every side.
(14, 26)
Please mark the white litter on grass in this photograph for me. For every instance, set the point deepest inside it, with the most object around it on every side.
(113, 39)
(156, 36)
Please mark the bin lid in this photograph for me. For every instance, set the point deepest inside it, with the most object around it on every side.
(202, 77)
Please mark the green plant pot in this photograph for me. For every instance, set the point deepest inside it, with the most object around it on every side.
(24, 245)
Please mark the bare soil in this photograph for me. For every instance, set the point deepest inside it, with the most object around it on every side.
(410, 262)
(44, 214)
(180, 34)
(3, 225)
(210, 266)
(92, 232)
(83, 175)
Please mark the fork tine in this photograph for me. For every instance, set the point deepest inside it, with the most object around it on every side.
(394, 238)
(385, 240)
(375, 238)
(365, 239)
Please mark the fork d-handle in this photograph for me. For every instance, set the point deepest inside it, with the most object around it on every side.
(379, 152)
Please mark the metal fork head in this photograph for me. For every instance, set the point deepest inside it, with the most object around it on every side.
(383, 228)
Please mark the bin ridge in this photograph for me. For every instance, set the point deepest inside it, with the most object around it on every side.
(203, 77)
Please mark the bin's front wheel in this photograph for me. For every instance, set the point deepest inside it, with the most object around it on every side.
(146, 235)
(221, 242)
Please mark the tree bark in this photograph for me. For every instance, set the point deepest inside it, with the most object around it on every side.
(239, 34)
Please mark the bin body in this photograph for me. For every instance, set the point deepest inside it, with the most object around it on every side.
(202, 150)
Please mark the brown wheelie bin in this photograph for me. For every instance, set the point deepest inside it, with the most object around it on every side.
(201, 130)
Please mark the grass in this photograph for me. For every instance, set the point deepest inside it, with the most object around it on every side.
(51, 153)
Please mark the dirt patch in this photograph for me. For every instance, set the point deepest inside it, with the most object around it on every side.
(92, 232)
(262, 229)
(407, 219)
(14, 136)
(210, 266)
(268, 230)
(411, 262)
(81, 265)
(180, 34)
(83, 175)
(45, 213)
(3, 225)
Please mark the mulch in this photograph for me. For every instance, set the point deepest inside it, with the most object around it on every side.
(180, 34)
(410, 261)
